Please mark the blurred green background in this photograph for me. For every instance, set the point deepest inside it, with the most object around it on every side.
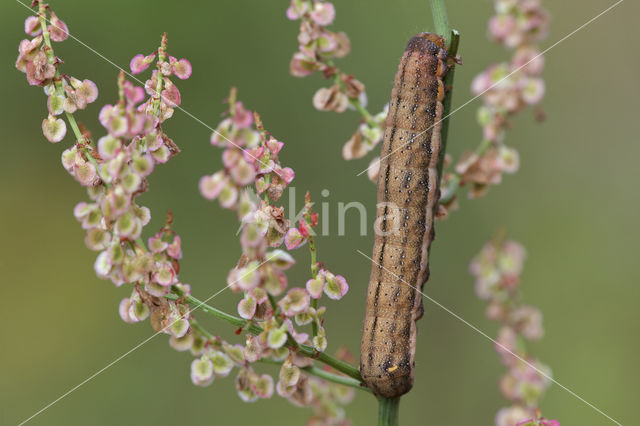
(574, 204)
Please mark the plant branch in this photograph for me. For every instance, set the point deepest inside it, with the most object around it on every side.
(319, 372)
(255, 329)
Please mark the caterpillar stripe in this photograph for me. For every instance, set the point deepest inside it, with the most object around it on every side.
(408, 193)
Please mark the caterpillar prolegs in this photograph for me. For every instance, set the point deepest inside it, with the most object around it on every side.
(408, 192)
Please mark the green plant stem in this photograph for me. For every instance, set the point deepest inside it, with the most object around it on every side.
(440, 19)
(446, 110)
(319, 372)
(255, 329)
(388, 411)
(363, 111)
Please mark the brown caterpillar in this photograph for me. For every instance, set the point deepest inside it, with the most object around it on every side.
(408, 193)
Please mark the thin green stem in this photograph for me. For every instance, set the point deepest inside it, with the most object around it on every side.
(448, 84)
(254, 329)
(319, 372)
(440, 19)
(363, 111)
(388, 411)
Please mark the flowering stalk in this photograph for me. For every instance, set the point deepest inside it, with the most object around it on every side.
(251, 183)
(497, 271)
(506, 89)
(318, 48)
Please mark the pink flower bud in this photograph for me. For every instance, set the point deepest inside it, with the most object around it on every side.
(323, 13)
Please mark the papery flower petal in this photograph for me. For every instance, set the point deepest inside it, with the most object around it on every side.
(182, 69)
(222, 364)
(165, 274)
(58, 30)
(323, 13)
(277, 338)
(336, 286)
(262, 386)
(247, 307)
(202, 371)
(88, 90)
(123, 310)
(183, 343)
(54, 129)
(138, 64)
(171, 95)
(319, 342)
(301, 65)
(294, 239)
(289, 374)
(55, 104)
(280, 259)
(315, 287)
(179, 327)
(243, 118)
(32, 26)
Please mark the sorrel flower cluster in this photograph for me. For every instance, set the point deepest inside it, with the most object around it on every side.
(251, 163)
(506, 89)
(497, 271)
(36, 59)
(317, 49)
(115, 172)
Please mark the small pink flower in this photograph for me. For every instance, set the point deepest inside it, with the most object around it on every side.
(280, 259)
(171, 94)
(123, 309)
(165, 275)
(262, 386)
(296, 9)
(274, 145)
(323, 13)
(139, 63)
(174, 249)
(39, 69)
(533, 90)
(243, 118)
(55, 104)
(295, 302)
(54, 129)
(247, 307)
(32, 26)
(156, 245)
(286, 174)
(202, 371)
(87, 89)
(133, 93)
(243, 173)
(294, 239)
(336, 286)
(301, 65)
(181, 69)
(501, 26)
(315, 286)
(58, 30)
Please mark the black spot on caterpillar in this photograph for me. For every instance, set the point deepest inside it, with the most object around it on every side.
(408, 192)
